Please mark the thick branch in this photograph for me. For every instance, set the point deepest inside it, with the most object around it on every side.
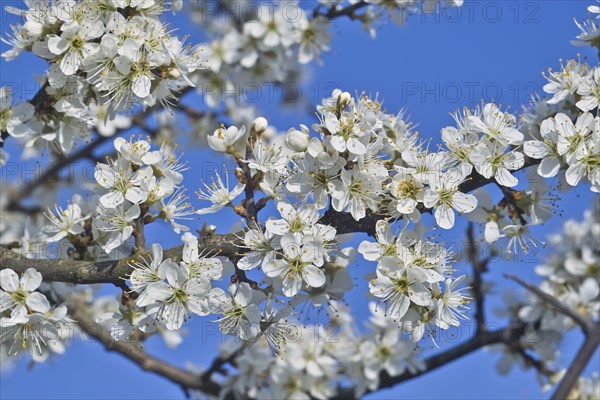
(592, 340)
(112, 271)
(345, 223)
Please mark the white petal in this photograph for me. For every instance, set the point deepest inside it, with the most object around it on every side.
(492, 232)
(112, 199)
(57, 45)
(31, 280)
(444, 216)
(291, 285)
(589, 290)
(575, 173)
(370, 251)
(132, 213)
(190, 250)
(275, 268)
(277, 226)
(141, 86)
(355, 146)
(549, 167)
(464, 203)
(159, 291)
(70, 62)
(430, 198)
(505, 178)
(313, 276)
(38, 302)
(536, 149)
(420, 295)
(564, 125)
(136, 195)
(250, 260)
(9, 280)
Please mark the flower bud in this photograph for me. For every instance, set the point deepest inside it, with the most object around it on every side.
(259, 125)
(297, 140)
(241, 177)
(231, 140)
(343, 100)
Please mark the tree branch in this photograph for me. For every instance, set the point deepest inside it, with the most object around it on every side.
(131, 351)
(585, 353)
(345, 223)
(586, 325)
(111, 271)
(590, 328)
(481, 339)
(348, 11)
(479, 267)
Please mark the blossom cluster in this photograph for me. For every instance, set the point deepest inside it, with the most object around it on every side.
(104, 57)
(141, 184)
(346, 164)
(270, 42)
(575, 146)
(298, 253)
(309, 364)
(166, 292)
(409, 275)
(28, 323)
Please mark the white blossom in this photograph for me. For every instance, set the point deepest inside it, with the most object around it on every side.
(445, 198)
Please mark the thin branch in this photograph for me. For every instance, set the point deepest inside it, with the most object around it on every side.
(348, 11)
(219, 362)
(481, 339)
(531, 361)
(586, 325)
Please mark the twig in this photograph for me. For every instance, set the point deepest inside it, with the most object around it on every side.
(533, 362)
(349, 11)
(139, 230)
(481, 339)
(219, 362)
(585, 325)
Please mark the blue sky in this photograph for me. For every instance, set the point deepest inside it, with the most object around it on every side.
(431, 67)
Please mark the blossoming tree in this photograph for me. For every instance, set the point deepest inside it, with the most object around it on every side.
(114, 65)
